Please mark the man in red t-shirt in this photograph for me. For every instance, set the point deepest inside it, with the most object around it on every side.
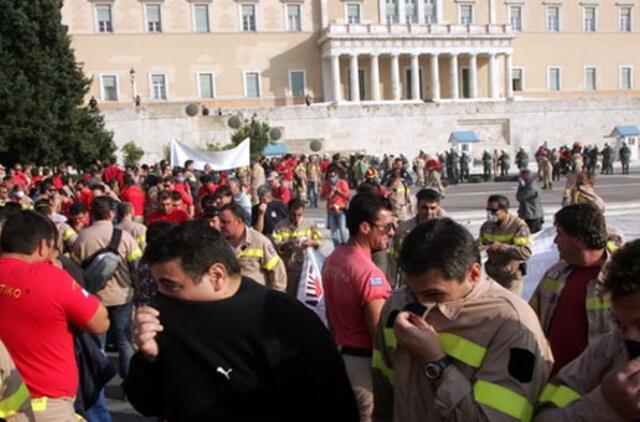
(134, 195)
(38, 303)
(166, 211)
(355, 291)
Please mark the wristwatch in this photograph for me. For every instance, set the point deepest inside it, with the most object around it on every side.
(434, 370)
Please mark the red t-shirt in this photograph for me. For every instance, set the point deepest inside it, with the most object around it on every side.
(351, 280)
(175, 217)
(569, 330)
(282, 194)
(135, 196)
(38, 301)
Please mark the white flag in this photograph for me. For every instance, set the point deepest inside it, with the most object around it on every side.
(221, 160)
(310, 290)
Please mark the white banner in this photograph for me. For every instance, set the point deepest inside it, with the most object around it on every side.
(221, 160)
(310, 290)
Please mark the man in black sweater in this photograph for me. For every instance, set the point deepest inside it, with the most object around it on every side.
(215, 346)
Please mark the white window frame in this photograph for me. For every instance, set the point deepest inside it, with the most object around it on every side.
(584, 17)
(397, 14)
(473, 13)
(620, 68)
(304, 82)
(193, 16)
(416, 11)
(559, 69)
(286, 16)
(546, 17)
(166, 86)
(584, 78)
(244, 82)
(437, 4)
(102, 91)
(519, 6)
(346, 11)
(241, 16)
(521, 69)
(213, 84)
(146, 18)
(620, 9)
(97, 22)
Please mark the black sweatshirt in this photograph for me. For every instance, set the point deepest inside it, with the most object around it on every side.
(257, 356)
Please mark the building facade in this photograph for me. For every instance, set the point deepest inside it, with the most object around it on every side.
(263, 53)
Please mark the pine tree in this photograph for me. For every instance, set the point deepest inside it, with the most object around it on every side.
(42, 88)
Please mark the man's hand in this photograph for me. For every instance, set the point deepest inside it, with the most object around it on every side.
(494, 246)
(417, 337)
(262, 208)
(146, 327)
(621, 390)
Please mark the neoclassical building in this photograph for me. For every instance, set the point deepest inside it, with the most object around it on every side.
(265, 53)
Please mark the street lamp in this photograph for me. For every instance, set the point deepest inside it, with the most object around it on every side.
(132, 79)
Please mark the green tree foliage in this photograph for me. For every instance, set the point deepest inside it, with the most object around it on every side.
(42, 88)
(216, 146)
(256, 131)
(131, 154)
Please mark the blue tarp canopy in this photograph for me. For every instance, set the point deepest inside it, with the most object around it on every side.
(625, 131)
(276, 148)
(464, 137)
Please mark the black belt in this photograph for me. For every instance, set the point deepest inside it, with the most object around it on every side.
(356, 351)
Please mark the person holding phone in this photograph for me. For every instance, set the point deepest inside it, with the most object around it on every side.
(603, 383)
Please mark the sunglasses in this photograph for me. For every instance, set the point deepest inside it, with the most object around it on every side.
(493, 210)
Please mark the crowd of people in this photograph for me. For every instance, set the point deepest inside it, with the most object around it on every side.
(192, 277)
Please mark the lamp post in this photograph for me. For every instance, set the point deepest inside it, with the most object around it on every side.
(132, 79)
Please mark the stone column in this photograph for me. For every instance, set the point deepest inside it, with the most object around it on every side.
(415, 77)
(508, 86)
(493, 85)
(454, 77)
(473, 76)
(324, 13)
(335, 77)
(402, 12)
(420, 11)
(395, 76)
(326, 79)
(435, 78)
(375, 78)
(355, 82)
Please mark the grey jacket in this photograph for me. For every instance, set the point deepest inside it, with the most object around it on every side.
(529, 198)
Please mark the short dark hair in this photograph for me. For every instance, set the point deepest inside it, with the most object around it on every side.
(429, 195)
(165, 194)
(364, 208)
(210, 212)
(124, 209)
(98, 186)
(235, 209)
(175, 196)
(24, 230)
(623, 271)
(158, 229)
(129, 180)
(585, 221)
(224, 190)
(501, 200)
(442, 244)
(101, 207)
(207, 201)
(77, 208)
(295, 203)
(196, 245)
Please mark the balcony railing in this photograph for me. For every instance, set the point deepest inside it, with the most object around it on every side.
(416, 29)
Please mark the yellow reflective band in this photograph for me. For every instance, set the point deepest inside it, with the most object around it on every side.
(141, 240)
(377, 362)
(553, 285)
(288, 234)
(316, 235)
(277, 236)
(462, 349)
(503, 400)
(250, 252)
(559, 395)
(521, 241)
(498, 237)
(135, 255)
(612, 246)
(271, 263)
(390, 338)
(68, 234)
(39, 404)
(393, 252)
(12, 404)
(596, 304)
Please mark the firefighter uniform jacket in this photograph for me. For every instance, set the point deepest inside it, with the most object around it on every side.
(574, 394)
(15, 405)
(260, 261)
(500, 356)
(503, 264)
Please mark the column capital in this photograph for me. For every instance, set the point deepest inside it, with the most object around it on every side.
(353, 55)
(374, 54)
(415, 54)
(454, 54)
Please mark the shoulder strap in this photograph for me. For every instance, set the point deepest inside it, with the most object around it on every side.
(115, 240)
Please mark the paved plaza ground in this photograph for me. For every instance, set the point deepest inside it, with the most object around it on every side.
(466, 203)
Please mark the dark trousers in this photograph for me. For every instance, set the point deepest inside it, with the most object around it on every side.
(535, 225)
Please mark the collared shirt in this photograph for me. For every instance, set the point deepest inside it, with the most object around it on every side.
(259, 260)
(135, 229)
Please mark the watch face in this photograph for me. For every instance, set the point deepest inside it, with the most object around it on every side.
(432, 371)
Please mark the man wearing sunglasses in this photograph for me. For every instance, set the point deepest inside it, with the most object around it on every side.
(507, 241)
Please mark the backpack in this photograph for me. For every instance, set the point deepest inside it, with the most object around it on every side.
(102, 265)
